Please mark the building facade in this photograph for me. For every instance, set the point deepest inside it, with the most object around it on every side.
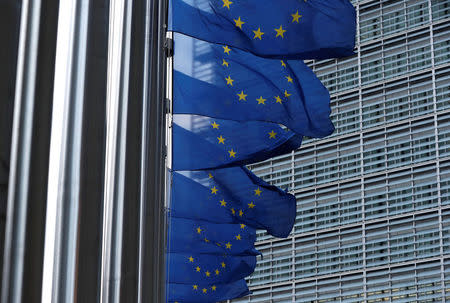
(373, 199)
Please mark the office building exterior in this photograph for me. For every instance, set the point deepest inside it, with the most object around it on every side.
(373, 212)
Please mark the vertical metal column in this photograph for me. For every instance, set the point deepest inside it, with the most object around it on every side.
(66, 154)
(23, 255)
(153, 174)
(93, 156)
(9, 35)
(118, 104)
(21, 153)
(133, 240)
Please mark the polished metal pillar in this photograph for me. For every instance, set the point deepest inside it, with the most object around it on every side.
(153, 225)
(134, 228)
(118, 103)
(74, 212)
(87, 165)
(24, 236)
(65, 153)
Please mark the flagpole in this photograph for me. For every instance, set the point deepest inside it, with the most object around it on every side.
(133, 264)
(152, 223)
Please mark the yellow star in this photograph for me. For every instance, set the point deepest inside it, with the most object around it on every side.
(226, 49)
(217, 272)
(199, 230)
(229, 81)
(296, 17)
(191, 259)
(206, 240)
(227, 3)
(214, 190)
(239, 22)
(213, 288)
(258, 192)
(204, 290)
(278, 100)
(233, 211)
(210, 176)
(223, 203)
(258, 34)
(261, 100)
(242, 226)
(225, 62)
(282, 63)
(228, 245)
(218, 244)
(286, 94)
(223, 264)
(232, 153)
(272, 135)
(238, 237)
(195, 287)
(242, 96)
(241, 213)
(251, 205)
(197, 269)
(280, 31)
(215, 125)
(289, 79)
(207, 273)
(221, 140)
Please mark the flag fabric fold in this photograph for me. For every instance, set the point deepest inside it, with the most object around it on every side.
(313, 29)
(201, 142)
(207, 262)
(208, 269)
(203, 237)
(201, 293)
(232, 195)
(227, 83)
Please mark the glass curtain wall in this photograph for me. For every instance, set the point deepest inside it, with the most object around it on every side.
(373, 199)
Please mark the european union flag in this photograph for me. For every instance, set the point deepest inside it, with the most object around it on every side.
(204, 237)
(232, 195)
(212, 229)
(300, 29)
(198, 293)
(207, 262)
(194, 268)
(246, 87)
(201, 142)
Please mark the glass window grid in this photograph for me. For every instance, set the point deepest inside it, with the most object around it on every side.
(407, 96)
(419, 282)
(443, 89)
(390, 103)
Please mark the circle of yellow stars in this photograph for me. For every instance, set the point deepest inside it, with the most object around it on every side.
(243, 97)
(228, 246)
(261, 100)
(258, 33)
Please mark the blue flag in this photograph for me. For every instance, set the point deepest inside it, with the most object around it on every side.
(204, 237)
(313, 29)
(207, 262)
(227, 83)
(200, 293)
(188, 268)
(201, 142)
(232, 195)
